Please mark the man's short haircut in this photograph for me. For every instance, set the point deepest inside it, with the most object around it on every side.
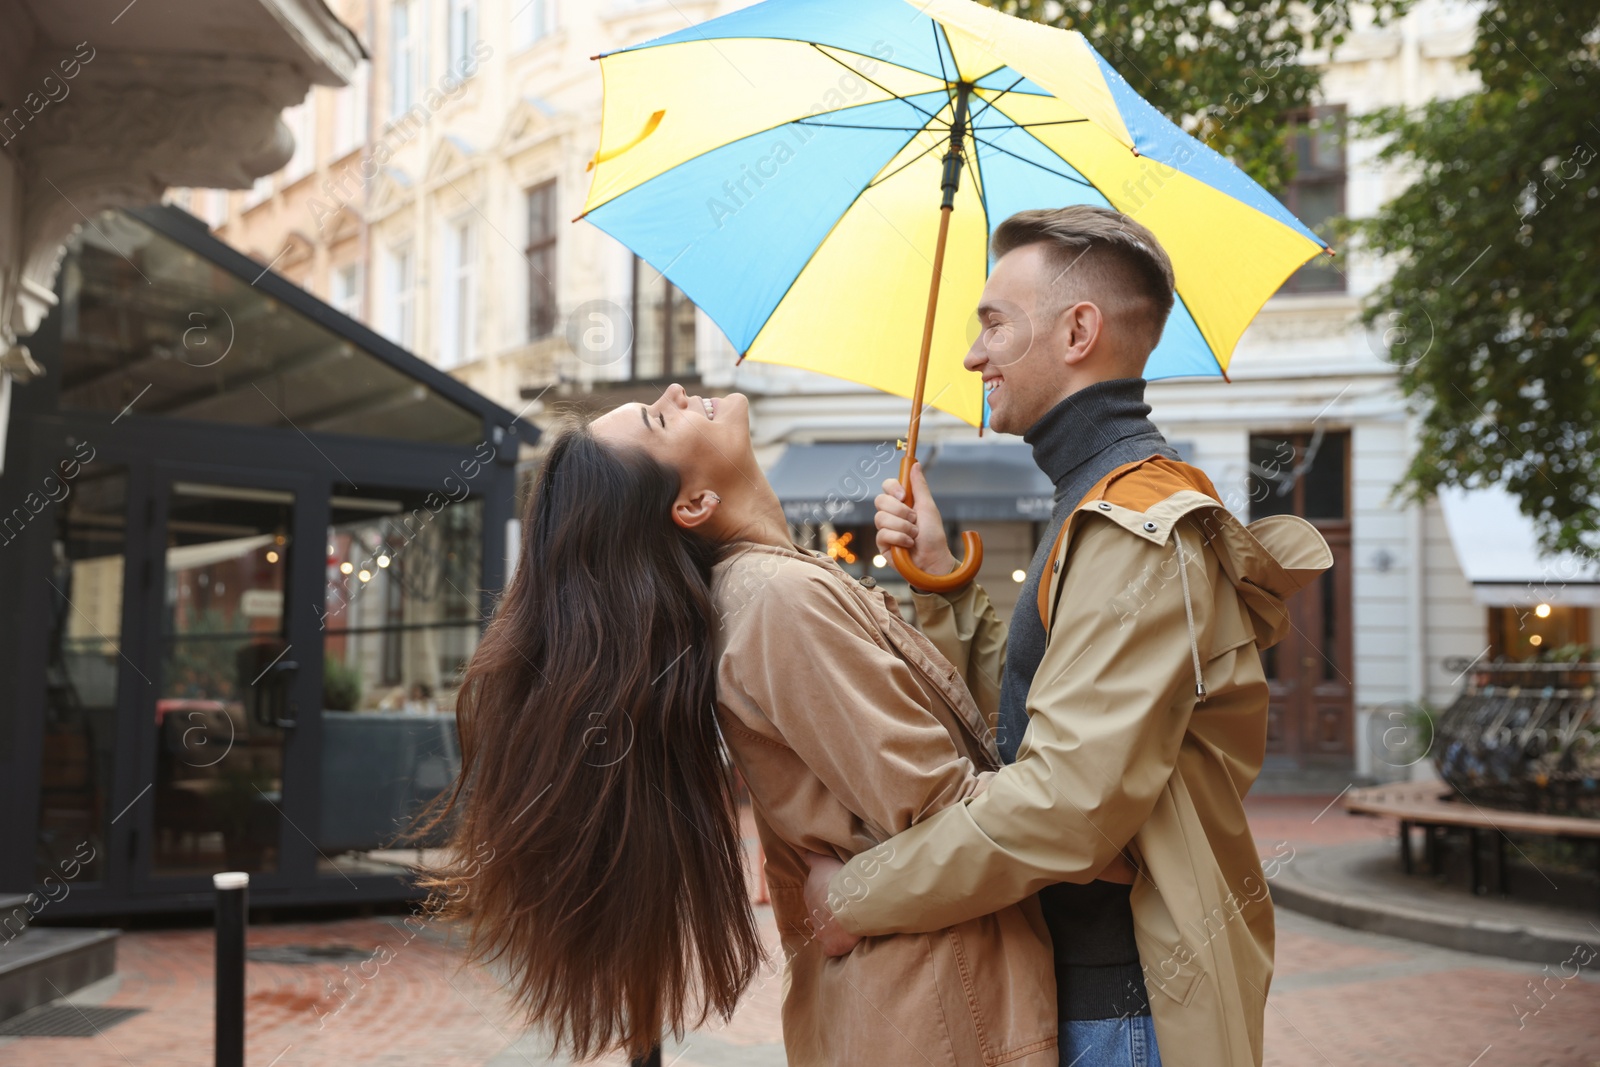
(1102, 256)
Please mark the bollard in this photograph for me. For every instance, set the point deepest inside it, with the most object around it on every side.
(233, 889)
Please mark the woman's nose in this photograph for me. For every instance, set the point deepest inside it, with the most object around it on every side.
(677, 394)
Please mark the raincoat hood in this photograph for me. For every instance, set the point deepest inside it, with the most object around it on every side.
(1267, 561)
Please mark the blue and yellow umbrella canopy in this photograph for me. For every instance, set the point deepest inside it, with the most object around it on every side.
(781, 165)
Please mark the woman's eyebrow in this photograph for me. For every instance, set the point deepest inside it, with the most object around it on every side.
(644, 414)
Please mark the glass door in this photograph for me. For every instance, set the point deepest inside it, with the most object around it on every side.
(223, 654)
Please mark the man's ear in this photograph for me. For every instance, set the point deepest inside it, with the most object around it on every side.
(692, 510)
(1082, 323)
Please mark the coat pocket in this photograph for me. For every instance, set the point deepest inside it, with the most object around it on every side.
(1170, 963)
(1007, 985)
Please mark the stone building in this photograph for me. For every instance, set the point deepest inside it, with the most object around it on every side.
(448, 230)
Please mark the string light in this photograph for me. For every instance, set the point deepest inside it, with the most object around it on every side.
(839, 548)
(346, 567)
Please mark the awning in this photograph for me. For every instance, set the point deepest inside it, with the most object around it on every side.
(973, 481)
(977, 482)
(833, 481)
(1497, 548)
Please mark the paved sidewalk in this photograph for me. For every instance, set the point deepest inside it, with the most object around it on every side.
(1341, 997)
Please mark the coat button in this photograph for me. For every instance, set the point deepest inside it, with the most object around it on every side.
(869, 581)
(1104, 506)
(1150, 527)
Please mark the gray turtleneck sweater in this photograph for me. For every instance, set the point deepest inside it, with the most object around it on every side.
(1076, 443)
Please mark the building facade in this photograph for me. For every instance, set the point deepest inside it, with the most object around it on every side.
(447, 229)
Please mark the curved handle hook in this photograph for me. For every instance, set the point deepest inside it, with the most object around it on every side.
(972, 556)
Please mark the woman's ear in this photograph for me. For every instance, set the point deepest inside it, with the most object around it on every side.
(690, 512)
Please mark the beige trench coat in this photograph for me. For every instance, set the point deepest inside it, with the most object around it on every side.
(849, 727)
(1156, 591)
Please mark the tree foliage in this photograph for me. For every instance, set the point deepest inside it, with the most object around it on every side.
(1229, 75)
(1493, 311)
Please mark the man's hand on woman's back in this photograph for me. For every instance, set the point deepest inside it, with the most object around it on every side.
(834, 939)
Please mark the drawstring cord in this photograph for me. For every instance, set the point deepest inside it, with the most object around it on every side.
(1188, 611)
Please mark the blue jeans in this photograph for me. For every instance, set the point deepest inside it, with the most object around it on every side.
(1125, 1042)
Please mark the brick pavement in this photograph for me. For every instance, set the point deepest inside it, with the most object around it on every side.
(1341, 997)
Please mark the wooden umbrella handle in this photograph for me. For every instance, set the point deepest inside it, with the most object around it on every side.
(972, 556)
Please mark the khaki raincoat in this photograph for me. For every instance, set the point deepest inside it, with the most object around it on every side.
(1147, 725)
(849, 727)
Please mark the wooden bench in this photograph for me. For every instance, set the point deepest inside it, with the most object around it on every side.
(1436, 807)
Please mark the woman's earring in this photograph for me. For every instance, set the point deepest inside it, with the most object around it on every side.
(715, 499)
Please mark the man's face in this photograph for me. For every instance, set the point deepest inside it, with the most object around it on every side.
(1021, 343)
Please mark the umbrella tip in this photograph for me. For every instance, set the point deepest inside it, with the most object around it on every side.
(740, 359)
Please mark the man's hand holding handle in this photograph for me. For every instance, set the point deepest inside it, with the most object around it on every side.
(919, 529)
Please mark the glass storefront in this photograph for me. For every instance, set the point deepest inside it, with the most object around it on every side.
(219, 764)
(401, 621)
(262, 541)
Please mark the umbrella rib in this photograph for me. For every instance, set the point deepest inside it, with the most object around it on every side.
(988, 103)
(846, 126)
(931, 148)
(1041, 166)
(931, 116)
(971, 162)
(933, 24)
(1052, 122)
(810, 258)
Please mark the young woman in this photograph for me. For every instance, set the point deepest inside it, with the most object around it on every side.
(660, 619)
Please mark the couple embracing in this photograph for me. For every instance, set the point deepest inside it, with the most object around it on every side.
(987, 843)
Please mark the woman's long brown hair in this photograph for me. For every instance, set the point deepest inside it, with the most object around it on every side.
(593, 775)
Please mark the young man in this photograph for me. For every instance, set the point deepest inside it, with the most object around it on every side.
(1128, 695)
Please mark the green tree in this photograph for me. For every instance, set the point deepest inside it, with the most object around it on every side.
(1229, 76)
(1493, 310)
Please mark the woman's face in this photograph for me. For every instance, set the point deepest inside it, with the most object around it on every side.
(705, 439)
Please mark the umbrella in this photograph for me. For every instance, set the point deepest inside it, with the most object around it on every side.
(821, 178)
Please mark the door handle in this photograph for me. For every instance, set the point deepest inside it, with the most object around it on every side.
(283, 674)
